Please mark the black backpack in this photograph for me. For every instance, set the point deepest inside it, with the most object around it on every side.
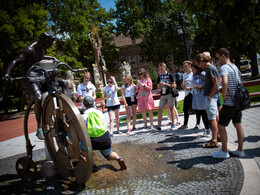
(241, 98)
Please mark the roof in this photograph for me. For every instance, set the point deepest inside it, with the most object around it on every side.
(122, 40)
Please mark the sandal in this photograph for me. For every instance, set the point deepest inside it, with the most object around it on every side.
(170, 123)
(177, 124)
(210, 144)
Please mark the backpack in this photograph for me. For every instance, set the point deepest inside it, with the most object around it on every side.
(95, 124)
(241, 98)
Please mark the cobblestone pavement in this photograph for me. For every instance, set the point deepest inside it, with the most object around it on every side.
(167, 162)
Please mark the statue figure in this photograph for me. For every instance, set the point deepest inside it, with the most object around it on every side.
(96, 74)
(35, 84)
(125, 69)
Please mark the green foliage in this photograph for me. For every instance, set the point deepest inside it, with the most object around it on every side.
(119, 93)
(99, 95)
(153, 75)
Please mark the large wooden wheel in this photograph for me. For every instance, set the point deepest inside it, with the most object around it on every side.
(67, 138)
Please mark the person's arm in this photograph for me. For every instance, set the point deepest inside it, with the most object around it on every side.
(94, 95)
(149, 84)
(114, 82)
(18, 60)
(224, 86)
(123, 95)
(214, 88)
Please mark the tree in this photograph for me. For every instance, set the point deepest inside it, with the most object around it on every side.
(232, 24)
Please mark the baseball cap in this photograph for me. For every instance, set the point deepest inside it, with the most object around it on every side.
(88, 100)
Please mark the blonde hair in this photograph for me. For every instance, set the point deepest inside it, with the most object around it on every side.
(202, 58)
(131, 78)
(187, 62)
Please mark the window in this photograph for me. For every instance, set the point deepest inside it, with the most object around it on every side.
(132, 59)
(141, 58)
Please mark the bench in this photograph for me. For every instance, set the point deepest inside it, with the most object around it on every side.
(252, 83)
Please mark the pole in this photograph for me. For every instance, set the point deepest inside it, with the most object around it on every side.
(181, 22)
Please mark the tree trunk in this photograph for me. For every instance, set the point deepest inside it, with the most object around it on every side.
(253, 58)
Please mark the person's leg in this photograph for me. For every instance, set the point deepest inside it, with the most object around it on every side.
(172, 114)
(223, 135)
(134, 114)
(144, 117)
(109, 154)
(128, 116)
(186, 110)
(214, 129)
(240, 135)
(117, 119)
(197, 112)
(111, 122)
(150, 112)
(205, 119)
(160, 110)
(169, 113)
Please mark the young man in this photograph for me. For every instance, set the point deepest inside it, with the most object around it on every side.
(86, 88)
(165, 84)
(187, 80)
(230, 77)
(211, 95)
(98, 133)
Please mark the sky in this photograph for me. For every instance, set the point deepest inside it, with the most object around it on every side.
(107, 4)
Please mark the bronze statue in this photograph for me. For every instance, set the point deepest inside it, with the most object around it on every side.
(35, 83)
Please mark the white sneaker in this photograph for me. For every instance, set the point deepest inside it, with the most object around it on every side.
(220, 154)
(209, 133)
(204, 133)
(197, 126)
(239, 153)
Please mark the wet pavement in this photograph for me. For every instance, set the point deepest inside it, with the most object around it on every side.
(167, 162)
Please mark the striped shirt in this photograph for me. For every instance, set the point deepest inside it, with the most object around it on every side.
(234, 76)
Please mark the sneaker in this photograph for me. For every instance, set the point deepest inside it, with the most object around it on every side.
(197, 126)
(220, 154)
(39, 134)
(241, 154)
(128, 132)
(144, 127)
(151, 127)
(209, 134)
(122, 164)
(204, 133)
(172, 127)
(111, 134)
(133, 129)
(183, 127)
(118, 132)
(156, 128)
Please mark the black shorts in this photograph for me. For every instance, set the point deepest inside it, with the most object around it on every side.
(227, 113)
(113, 108)
(129, 102)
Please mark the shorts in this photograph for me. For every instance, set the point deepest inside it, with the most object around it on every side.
(167, 99)
(106, 153)
(129, 102)
(211, 107)
(113, 108)
(227, 113)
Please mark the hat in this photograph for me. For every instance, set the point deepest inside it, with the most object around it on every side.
(88, 100)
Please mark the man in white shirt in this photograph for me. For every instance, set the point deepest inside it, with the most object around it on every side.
(86, 88)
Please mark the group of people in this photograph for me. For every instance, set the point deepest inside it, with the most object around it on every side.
(202, 85)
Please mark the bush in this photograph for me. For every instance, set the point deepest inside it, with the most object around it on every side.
(99, 94)
(119, 93)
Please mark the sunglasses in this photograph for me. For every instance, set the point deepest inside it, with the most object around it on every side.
(109, 81)
(140, 73)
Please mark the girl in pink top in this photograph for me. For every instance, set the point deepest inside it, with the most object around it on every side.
(145, 99)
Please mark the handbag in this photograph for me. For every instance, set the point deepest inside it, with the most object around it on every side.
(241, 98)
(175, 93)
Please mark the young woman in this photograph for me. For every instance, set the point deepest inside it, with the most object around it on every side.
(145, 99)
(198, 100)
(113, 104)
(130, 101)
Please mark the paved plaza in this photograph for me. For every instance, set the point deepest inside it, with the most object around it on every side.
(166, 162)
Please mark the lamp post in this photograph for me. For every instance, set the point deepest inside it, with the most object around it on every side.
(181, 30)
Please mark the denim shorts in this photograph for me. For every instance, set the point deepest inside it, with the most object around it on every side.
(106, 153)
(211, 107)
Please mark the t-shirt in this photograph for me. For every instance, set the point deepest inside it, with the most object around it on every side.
(211, 72)
(86, 90)
(103, 141)
(166, 78)
(129, 91)
(234, 76)
(187, 80)
(112, 92)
